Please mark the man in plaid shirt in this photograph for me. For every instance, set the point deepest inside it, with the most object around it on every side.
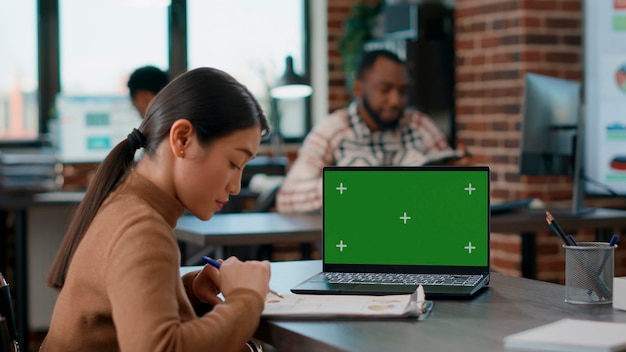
(375, 129)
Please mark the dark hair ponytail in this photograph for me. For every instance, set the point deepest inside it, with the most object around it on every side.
(213, 101)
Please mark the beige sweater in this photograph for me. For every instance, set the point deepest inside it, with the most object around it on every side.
(123, 290)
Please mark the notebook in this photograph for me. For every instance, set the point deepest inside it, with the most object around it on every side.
(571, 335)
(379, 222)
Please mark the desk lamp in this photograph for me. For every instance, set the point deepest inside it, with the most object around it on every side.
(289, 86)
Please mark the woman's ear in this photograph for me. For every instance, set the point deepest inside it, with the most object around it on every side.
(181, 134)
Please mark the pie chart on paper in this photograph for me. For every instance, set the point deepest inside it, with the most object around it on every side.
(620, 78)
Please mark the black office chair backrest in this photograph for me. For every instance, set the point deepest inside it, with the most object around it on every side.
(5, 340)
(6, 312)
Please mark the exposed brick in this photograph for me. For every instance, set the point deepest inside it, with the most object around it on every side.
(531, 56)
(464, 44)
(500, 75)
(511, 177)
(520, 36)
(465, 77)
(472, 27)
(530, 22)
(510, 39)
(512, 143)
(490, 42)
(511, 108)
(552, 248)
(477, 126)
(540, 39)
(539, 4)
(574, 40)
(504, 23)
(478, 60)
(563, 23)
(500, 126)
(466, 12)
(338, 23)
(466, 110)
(499, 263)
(489, 142)
(504, 58)
(562, 57)
(500, 6)
(573, 5)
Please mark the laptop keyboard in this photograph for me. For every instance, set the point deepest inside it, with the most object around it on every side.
(403, 279)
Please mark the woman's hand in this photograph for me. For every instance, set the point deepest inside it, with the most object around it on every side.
(254, 275)
(206, 285)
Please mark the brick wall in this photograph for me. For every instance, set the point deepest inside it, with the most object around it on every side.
(338, 11)
(497, 42)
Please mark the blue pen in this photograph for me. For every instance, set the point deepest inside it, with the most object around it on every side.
(214, 263)
(612, 243)
(572, 240)
(614, 239)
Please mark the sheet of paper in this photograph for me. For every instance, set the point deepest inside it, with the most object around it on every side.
(572, 335)
(299, 305)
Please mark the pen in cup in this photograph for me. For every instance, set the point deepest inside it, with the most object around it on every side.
(572, 240)
(612, 243)
(214, 263)
(568, 240)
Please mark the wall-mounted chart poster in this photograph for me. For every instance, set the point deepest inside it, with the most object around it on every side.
(605, 95)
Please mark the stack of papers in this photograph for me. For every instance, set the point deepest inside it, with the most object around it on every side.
(571, 335)
(300, 306)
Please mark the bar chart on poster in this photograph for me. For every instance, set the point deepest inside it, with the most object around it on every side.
(605, 96)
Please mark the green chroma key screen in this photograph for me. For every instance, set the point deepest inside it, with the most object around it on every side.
(406, 216)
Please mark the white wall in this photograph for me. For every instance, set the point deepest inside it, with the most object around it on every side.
(319, 59)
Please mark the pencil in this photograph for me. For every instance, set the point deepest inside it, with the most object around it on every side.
(214, 263)
(558, 230)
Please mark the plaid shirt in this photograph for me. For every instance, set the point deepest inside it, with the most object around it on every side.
(344, 139)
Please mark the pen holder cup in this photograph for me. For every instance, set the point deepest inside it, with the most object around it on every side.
(589, 269)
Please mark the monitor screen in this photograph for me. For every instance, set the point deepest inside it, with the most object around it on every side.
(88, 127)
(437, 216)
(550, 124)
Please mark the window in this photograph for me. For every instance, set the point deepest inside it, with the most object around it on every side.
(19, 111)
(102, 42)
(250, 40)
(99, 43)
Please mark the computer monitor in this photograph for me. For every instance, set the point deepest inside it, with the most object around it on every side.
(552, 131)
(88, 127)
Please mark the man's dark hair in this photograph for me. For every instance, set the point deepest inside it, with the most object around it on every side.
(148, 78)
(369, 58)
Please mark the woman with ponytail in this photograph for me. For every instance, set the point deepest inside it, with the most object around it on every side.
(117, 270)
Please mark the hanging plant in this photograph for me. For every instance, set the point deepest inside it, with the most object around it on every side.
(358, 28)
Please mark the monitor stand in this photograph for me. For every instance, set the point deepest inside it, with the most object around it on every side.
(578, 182)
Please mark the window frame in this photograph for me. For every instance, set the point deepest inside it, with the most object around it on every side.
(49, 64)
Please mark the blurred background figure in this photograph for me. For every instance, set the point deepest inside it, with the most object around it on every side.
(144, 83)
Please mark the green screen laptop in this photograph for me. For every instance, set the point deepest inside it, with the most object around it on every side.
(379, 222)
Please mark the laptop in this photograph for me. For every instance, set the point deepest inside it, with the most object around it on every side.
(386, 227)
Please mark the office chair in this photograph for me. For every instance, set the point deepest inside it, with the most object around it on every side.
(266, 200)
(8, 317)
